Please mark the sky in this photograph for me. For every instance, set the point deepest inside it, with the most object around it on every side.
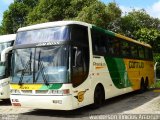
(151, 6)
(4, 6)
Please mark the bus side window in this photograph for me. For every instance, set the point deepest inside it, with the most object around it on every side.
(141, 52)
(113, 47)
(134, 51)
(146, 53)
(110, 46)
(98, 43)
(125, 49)
(150, 54)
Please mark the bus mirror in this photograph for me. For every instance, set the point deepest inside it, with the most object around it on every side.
(75, 56)
(8, 63)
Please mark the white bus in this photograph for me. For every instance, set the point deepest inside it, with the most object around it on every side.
(69, 64)
(6, 43)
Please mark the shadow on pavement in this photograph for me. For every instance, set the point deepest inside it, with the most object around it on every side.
(112, 106)
(5, 102)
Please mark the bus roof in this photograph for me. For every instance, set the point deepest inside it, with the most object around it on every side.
(7, 38)
(52, 24)
(134, 41)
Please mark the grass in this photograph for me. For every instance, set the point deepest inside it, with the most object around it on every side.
(157, 84)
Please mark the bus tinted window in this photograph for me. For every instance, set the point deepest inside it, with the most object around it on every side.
(99, 42)
(150, 54)
(141, 52)
(147, 53)
(134, 51)
(106, 45)
(114, 46)
(125, 49)
(79, 34)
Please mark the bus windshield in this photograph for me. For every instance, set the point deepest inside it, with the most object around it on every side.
(43, 35)
(39, 65)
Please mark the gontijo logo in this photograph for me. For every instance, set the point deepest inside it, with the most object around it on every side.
(133, 64)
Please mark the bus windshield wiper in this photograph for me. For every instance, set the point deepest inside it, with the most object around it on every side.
(41, 70)
(25, 69)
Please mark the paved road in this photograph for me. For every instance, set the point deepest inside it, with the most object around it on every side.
(132, 103)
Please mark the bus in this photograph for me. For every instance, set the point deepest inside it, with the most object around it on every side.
(6, 43)
(65, 65)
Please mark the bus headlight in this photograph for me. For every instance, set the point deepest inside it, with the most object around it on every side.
(13, 91)
(60, 92)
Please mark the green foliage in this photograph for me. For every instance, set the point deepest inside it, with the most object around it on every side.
(76, 6)
(50, 10)
(15, 16)
(150, 36)
(140, 26)
(99, 14)
(54, 10)
(133, 21)
(157, 57)
(29, 3)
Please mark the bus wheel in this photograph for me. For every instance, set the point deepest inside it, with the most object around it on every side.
(146, 84)
(99, 96)
(142, 86)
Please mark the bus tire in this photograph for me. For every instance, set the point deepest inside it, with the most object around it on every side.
(142, 86)
(99, 96)
(146, 84)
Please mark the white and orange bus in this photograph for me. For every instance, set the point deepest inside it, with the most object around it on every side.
(65, 65)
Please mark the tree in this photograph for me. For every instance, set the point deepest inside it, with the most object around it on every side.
(15, 16)
(99, 14)
(133, 21)
(150, 36)
(50, 10)
(54, 10)
(29, 3)
(76, 6)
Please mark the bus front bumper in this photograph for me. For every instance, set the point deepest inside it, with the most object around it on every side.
(43, 102)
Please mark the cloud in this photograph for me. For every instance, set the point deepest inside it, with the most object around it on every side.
(153, 10)
(7, 1)
(1, 16)
(125, 9)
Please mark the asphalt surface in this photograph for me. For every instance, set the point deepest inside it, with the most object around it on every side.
(132, 103)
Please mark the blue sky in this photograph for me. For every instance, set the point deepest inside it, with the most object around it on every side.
(133, 3)
(151, 6)
(4, 6)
